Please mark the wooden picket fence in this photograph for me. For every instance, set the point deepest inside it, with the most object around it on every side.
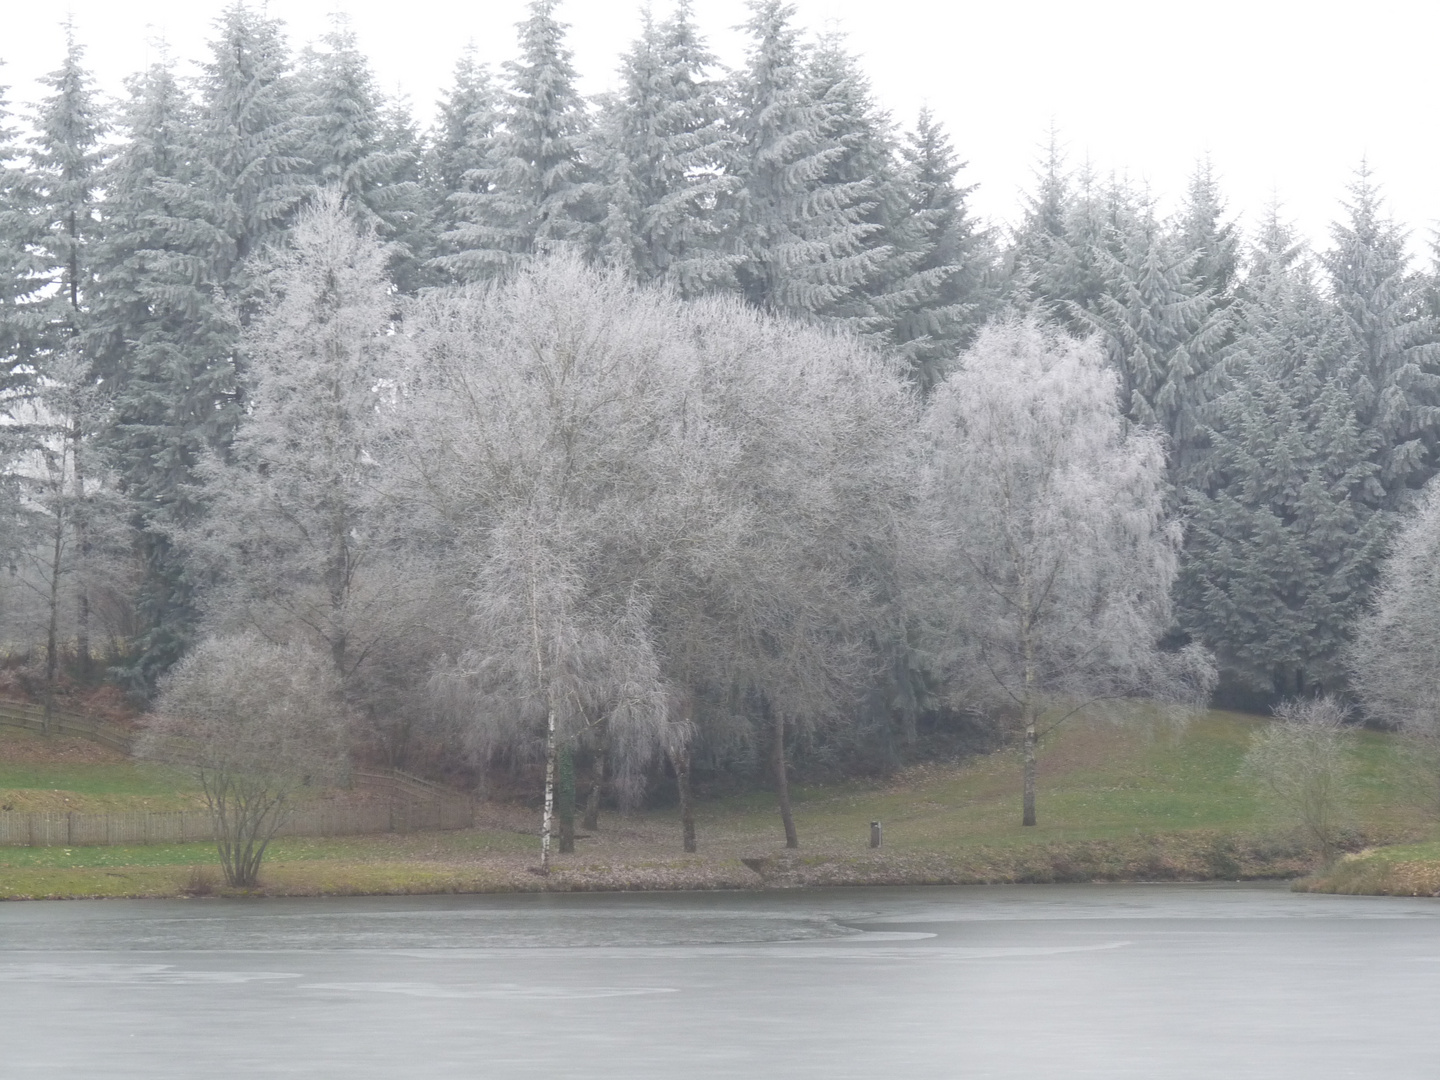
(32, 718)
(399, 802)
(181, 826)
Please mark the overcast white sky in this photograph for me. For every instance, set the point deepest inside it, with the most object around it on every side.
(1286, 97)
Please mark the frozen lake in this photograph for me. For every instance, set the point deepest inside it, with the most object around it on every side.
(1153, 982)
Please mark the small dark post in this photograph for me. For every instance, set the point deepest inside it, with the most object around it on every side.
(874, 834)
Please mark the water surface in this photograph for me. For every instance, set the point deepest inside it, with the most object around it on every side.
(1142, 981)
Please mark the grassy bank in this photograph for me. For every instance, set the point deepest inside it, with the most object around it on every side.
(1116, 804)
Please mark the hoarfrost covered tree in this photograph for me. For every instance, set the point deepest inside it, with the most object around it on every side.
(669, 518)
(661, 148)
(534, 193)
(65, 170)
(1281, 547)
(936, 275)
(1161, 334)
(460, 146)
(66, 521)
(346, 139)
(19, 265)
(1301, 763)
(259, 721)
(1395, 659)
(163, 342)
(798, 582)
(803, 242)
(298, 536)
(1052, 554)
(1390, 362)
(542, 431)
(251, 140)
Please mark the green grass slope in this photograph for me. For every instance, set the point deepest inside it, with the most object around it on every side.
(1116, 802)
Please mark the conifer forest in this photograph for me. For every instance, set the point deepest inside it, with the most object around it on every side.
(698, 430)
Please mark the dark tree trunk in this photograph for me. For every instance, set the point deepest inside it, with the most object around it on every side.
(1029, 815)
(82, 546)
(567, 801)
(680, 760)
(591, 821)
(782, 783)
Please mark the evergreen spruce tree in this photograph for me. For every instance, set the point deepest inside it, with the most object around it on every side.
(861, 184)
(662, 147)
(803, 242)
(19, 278)
(252, 141)
(460, 146)
(1281, 550)
(355, 149)
(1038, 251)
(65, 162)
(937, 271)
(164, 342)
(1388, 361)
(409, 208)
(1160, 334)
(532, 189)
(1202, 232)
(20, 269)
(65, 167)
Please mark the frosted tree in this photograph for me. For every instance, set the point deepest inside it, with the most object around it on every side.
(935, 277)
(1301, 764)
(460, 147)
(346, 138)
(534, 192)
(1053, 555)
(1160, 335)
(258, 721)
(251, 139)
(1203, 232)
(296, 535)
(1389, 361)
(20, 268)
(671, 520)
(1395, 659)
(1281, 547)
(543, 422)
(661, 148)
(163, 344)
(803, 241)
(804, 584)
(65, 537)
(65, 169)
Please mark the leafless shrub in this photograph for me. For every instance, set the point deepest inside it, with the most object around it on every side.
(1301, 764)
(258, 721)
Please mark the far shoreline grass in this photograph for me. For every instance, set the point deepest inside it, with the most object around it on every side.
(1116, 803)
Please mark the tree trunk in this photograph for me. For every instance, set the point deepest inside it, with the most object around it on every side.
(680, 759)
(782, 783)
(567, 801)
(52, 642)
(591, 820)
(1031, 707)
(82, 547)
(1029, 815)
(547, 819)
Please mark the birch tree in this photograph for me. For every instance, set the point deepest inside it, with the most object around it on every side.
(540, 411)
(667, 517)
(1052, 553)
